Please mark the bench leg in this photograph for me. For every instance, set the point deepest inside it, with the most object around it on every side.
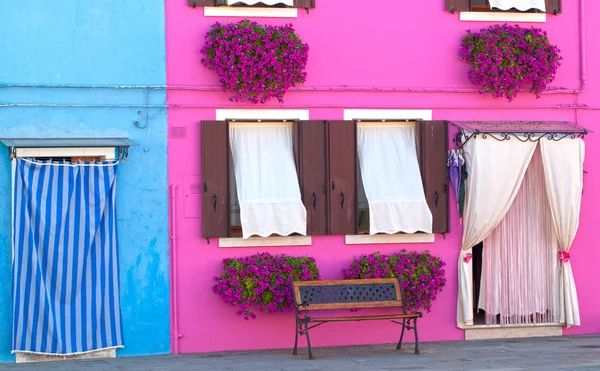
(310, 356)
(399, 346)
(416, 338)
(295, 352)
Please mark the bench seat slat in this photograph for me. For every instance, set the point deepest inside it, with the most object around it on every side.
(365, 318)
(359, 305)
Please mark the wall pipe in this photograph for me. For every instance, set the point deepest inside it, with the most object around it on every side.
(339, 88)
(296, 106)
(173, 237)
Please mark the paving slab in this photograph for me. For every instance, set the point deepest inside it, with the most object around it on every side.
(563, 353)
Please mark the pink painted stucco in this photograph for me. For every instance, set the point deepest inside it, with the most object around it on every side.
(397, 44)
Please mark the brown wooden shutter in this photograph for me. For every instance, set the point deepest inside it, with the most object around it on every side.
(458, 5)
(195, 3)
(433, 157)
(304, 4)
(215, 178)
(312, 170)
(342, 177)
(554, 6)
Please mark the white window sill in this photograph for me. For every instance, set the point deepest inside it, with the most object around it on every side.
(502, 17)
(365, 239)
(504, 332)
(228, 11)
(266, 241)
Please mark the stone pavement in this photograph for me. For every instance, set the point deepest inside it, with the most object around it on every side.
(553, 353)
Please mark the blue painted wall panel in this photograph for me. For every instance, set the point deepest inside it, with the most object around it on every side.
(116, 42)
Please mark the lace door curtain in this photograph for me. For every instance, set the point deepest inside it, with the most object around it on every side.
(520, 270)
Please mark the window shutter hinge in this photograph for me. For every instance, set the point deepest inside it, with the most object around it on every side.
(205, 188)
(452, 10)
(194, 6)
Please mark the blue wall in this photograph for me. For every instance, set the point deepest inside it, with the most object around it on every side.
(101, 42)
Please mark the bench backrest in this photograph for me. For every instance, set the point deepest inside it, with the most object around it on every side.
(348, 294)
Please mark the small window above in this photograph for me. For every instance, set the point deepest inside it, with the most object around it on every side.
(79, 148)
(518, 6)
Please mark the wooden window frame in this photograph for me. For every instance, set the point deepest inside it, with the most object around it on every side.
(321, 183)
(300, 4)
(436, 195)
(223, 230)
(552, 7)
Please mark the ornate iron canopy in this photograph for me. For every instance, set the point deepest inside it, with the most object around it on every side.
(520, 130)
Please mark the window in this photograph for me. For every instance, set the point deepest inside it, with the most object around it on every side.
(325, 155)
(267, 192)
(272, 172)
(508, 6)
(258, 3)
(391, 195)
(547, 6)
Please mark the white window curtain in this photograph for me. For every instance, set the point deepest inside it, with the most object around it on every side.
(521, 5)
(392, 179)
(520, 272)
(266, 2)
(496, 170)
(563, 169)
(266, 179)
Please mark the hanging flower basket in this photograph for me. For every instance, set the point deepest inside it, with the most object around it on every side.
(257, 62)
(507, 58)
(423, 275)
(264, 280)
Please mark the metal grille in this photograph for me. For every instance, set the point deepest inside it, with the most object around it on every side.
(348, 293)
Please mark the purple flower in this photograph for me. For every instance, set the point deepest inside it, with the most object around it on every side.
(255, 62)
(507, 58)
(422, 274)
(262, 279)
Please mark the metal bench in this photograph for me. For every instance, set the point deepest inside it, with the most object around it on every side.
(314, 296)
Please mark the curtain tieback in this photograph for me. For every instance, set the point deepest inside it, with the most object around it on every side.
(467, 258)
(564, 256)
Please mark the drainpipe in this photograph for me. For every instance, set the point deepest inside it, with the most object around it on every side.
(173, 237)
(582, 57)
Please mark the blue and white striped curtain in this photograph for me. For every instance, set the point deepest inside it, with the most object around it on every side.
(65, 266)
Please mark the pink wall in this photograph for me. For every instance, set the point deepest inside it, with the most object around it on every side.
(393, 44)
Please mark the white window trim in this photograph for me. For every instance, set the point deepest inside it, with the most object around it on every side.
(263, 114)
(502, 17)
(264, 12)
(109, 153)
(367, 114)
(392, 114)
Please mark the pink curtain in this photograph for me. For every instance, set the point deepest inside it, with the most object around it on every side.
(520, 271)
